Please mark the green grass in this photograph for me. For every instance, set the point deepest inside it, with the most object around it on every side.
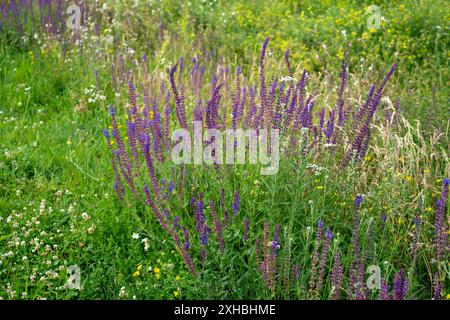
(52, 149)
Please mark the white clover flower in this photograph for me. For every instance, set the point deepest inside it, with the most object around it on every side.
(122, 292)
(85, 216)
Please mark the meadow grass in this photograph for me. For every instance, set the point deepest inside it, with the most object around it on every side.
(57, 203)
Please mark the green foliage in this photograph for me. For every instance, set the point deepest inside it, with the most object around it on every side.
(51, 149)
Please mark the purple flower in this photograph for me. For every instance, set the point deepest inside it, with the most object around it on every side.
(400, 285)
(199, 215)
(204, 235)
(179, 101)
(166, 213)
(384, 291)
(176, 222)
(383, 219)
(361, 140)
(217, 226)
(330, 127)
(236, 203)
(262, 79)
(171, 186)
(440, 227)
(437, 287)
(276, 241)
(112, 110)
(246, 227)
(315, 257)
(358, 200)
(226, 217)
(337, 274)
(417, 221)
(187, 243)
(323, 258)
(296, 271)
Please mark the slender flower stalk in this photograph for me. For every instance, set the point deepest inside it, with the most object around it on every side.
(204, 240)
(262, 79)
(121, 153)
(437, 287)
(179, 101)
(217, 226)
(401, 285)
(246, 227)
(323, 259)
(417, 221)
(337, 274)
(315, 257)
(236, 203)
(186, 254)
(151, 169)
(384, 291)
(440, 228)
(199, 215)
(358, 201)
(364, 131)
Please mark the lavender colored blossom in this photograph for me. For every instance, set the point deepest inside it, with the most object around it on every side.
(337, 274)
(179, 101)
(171, 186)
(323, 259)
(401, 284)
(217, 226)
(246, 227)
(276, 241)
(262, 79)
(440, 227)
(384, 291)
(417, 221)
(236, 203)
(437, 287)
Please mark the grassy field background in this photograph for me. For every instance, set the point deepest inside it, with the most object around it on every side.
(57, 203)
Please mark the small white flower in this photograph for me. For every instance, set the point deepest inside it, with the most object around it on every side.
(122, 292)
(146, 244)
(85, 216)
(135, 236)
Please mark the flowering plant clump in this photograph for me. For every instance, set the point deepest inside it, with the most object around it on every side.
(249, 151)
(142, 158)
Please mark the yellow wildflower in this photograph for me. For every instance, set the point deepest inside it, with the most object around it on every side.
(137, 273)
(409, 178)
(156, 270)
(177, 278)
(139, 267)
(319, 188)
(176, 293)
